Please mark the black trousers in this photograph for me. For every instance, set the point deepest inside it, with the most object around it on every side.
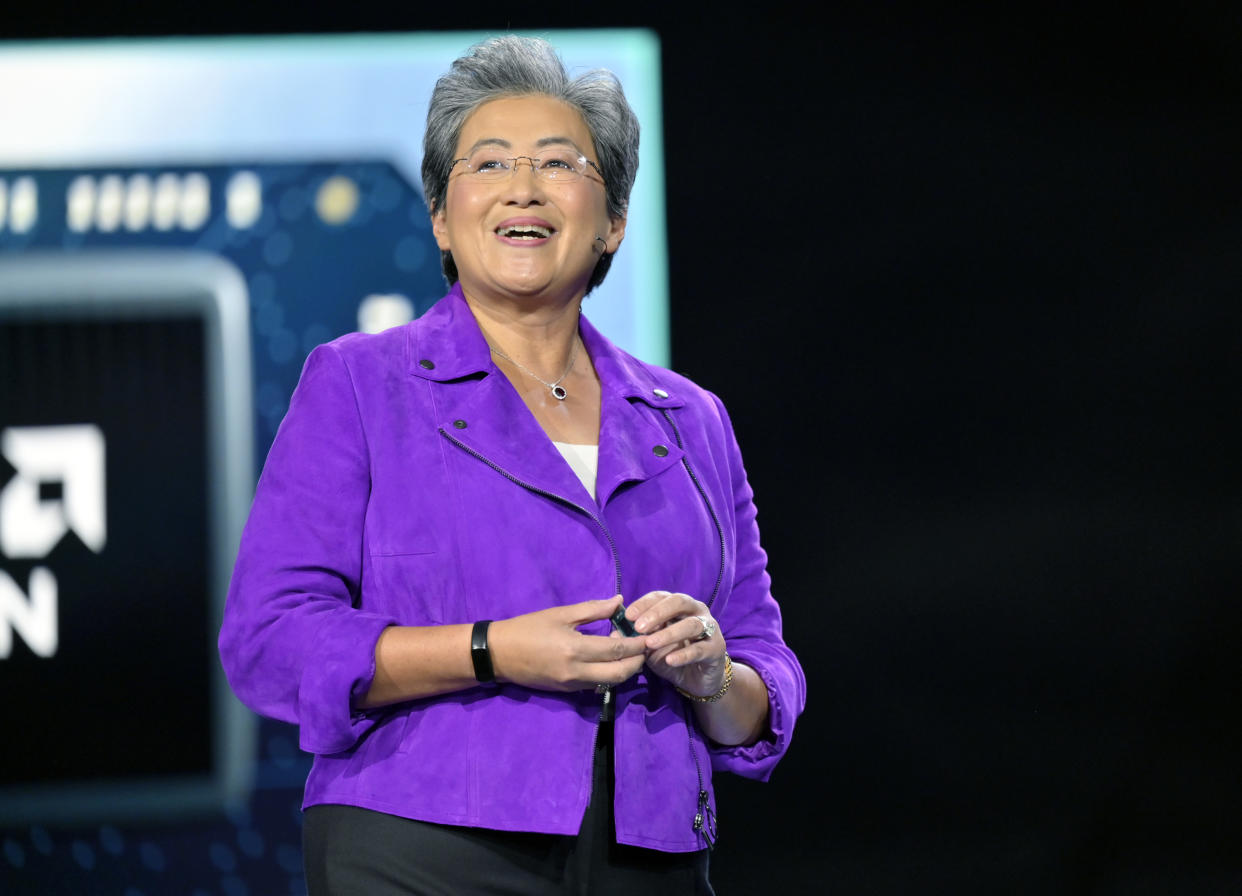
(350, 851)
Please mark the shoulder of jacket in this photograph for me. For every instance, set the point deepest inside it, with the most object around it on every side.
(365, 349)
(694, 396)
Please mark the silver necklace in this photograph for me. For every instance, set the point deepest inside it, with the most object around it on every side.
(557, 390)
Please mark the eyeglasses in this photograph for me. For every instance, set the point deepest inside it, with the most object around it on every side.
(490, 164)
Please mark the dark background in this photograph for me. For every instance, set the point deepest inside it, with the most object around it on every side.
(969, 285)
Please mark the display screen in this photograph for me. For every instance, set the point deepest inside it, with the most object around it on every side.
(104, 610)
(125, 468)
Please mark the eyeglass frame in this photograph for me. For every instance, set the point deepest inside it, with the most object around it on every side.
(534, 169)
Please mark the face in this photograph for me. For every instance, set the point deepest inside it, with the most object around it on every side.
(524, 236)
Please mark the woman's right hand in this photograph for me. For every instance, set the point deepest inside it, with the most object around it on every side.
(545, 650)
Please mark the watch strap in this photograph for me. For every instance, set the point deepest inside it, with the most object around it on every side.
(480, 656)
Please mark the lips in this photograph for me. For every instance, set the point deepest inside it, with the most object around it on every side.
(525, 229)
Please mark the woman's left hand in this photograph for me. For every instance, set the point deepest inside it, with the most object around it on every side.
(674, 625)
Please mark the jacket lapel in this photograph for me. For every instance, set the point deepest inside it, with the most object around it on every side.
(489, 419)
(634, 445)
(478, 409)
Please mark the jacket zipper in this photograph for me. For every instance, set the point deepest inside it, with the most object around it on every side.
(704, 817)
(606, 709)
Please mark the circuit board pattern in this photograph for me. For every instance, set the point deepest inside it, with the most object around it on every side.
(322, 246)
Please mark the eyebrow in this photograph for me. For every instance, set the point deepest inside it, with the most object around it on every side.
(557, 141)
(540, 143)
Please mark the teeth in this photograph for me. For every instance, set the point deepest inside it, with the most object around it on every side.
(526, 232)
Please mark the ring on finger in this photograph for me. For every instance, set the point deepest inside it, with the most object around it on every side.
(709, 628)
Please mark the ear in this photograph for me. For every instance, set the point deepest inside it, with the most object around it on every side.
(616, 233)
(439, 227)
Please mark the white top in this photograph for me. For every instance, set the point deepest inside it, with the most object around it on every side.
(583, 460)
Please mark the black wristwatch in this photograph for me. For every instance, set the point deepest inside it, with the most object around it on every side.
(479, 654)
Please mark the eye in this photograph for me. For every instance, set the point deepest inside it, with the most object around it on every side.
(560, 162)
(488, 162)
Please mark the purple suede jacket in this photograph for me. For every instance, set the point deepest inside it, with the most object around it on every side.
(409, 485)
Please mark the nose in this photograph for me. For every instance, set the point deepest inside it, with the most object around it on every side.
(524, 186)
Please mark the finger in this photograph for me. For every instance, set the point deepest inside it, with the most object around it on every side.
(681, 654)
(687, 628)
(606, 648)
(658, 658)
(685, 651)
(653, 610)
(590, 610)
(645, 603)
(611, 673)
(672, 606)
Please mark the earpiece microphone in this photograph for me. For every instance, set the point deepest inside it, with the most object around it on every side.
(603, 251)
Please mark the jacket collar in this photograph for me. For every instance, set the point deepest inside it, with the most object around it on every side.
(488, 418)
(446, 344)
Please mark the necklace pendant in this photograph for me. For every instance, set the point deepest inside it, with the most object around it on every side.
(559, 392)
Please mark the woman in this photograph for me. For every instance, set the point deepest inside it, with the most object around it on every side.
(498, 459)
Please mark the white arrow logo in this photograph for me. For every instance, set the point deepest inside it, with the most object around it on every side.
(74, 457)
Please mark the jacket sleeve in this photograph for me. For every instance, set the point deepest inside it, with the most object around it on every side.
(750, 620)
(293, 644)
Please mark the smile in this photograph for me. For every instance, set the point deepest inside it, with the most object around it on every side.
(524, 232)
(524, 229)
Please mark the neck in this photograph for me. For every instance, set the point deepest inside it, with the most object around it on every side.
(540, 337)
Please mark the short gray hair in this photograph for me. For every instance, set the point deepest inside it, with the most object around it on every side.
(521, 66)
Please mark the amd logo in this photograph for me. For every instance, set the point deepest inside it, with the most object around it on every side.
(33, 520)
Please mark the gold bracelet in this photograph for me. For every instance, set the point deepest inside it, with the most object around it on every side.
(728, 680)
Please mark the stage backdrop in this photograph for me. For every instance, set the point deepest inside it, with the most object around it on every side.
(181, 222)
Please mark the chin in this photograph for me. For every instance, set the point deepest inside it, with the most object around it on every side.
(535, 286)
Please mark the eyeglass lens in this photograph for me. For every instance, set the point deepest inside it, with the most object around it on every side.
(554, 164)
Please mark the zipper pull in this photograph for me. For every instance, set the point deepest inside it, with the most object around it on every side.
(705, 819)
(606, 709)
